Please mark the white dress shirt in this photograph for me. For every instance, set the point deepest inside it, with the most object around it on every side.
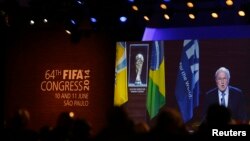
(225, 97)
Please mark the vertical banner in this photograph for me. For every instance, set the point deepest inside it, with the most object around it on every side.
(187, 83)
(156, 87)
(121, 88)
(138, 68)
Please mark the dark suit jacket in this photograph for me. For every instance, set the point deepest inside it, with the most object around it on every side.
(236, 102)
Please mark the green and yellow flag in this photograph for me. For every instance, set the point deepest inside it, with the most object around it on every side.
(156, 86)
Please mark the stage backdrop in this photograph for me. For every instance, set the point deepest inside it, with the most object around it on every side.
(46, 73)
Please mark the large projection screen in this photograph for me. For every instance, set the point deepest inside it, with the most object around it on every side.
(233, 54)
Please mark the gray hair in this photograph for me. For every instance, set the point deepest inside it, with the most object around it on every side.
(223, 69)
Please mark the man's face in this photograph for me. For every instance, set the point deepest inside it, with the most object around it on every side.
(222, 81)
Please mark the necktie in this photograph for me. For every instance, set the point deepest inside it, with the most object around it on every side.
(223, 103)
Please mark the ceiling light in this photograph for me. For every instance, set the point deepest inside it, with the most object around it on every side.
(93, 20)
(123, 19)
(68, 32)
(45, 20)
(146, 18)
(134, 7)
(73, 22)
(190, 4)
(166, 16)
(214, 15)
(229, 2)
(32, 22)
(241, 13)
(191, 16)
(163, 6)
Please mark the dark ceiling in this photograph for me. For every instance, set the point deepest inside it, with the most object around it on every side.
(107, 13)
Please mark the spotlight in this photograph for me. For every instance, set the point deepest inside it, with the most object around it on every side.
(229, 2)
(45, 20)
(73, 22)
(214, 15)
(241, 13)
(68, 32)
(146, 18)
(190, 5)
(93, 20)
(163, 6)
(191, 16)
(32, 22)
(123, 19)
(166, 16)
(79, 2)
(135, 8)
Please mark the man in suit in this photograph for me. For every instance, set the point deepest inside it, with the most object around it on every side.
(226, 95)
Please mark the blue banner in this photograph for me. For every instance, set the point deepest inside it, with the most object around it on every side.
(187, 83)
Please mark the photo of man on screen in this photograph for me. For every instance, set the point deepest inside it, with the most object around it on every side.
(226, 95)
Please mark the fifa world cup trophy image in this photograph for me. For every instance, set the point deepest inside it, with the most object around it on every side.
(139, 59)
